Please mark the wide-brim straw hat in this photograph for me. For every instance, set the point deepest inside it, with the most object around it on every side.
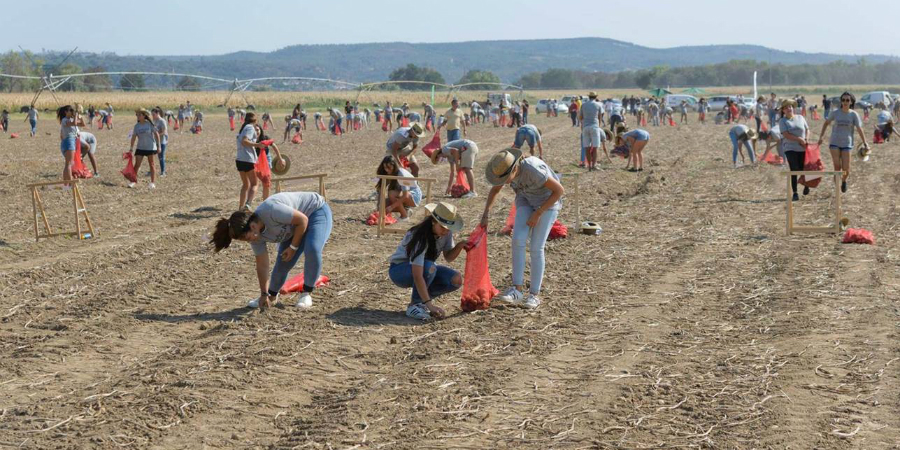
(282, 170)
(592, 94)
(751, 134)
(144, 112)
(417, 128)
(501, 165)
(446, 215)
(436, 156)
(788, 102)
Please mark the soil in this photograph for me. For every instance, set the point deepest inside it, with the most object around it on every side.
(691, 321)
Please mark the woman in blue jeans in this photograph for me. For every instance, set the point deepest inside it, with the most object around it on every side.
(413, 263)
(538, 194)
(299, 222)
(741, 134)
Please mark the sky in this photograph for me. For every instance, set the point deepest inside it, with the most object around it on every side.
(205, 27)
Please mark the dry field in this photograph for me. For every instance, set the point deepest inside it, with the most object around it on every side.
(691, 322)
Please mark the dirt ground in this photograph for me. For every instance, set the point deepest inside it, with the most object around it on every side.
(691, 321)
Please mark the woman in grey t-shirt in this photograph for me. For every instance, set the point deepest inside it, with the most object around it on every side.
(299, 222)
(794, 132)
(538, 192)
(846, 120)
(145, 135)
(246, 157)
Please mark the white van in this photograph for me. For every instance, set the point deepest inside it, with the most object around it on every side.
(674, 101)
(496, 99)
(876, 97)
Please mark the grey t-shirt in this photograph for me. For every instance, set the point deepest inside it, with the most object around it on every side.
(590, 111)
(87, 140)
(844, 123)
(32, 114)
(67, 128)
(443, 244)
(459, 144)
(401, 136)
(246, 154)
(797, 127)
(529, 183)
(276, 213)
(739, 129)
(144, 132)
(162, 128)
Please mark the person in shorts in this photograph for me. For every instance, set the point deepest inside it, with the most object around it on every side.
(246, 158)
(144, 143)
(89, 148)
(589, 117)
(402, 195)
(461, 156)
(532, 135)
(402, 144)
(846, 121)
(68, 133)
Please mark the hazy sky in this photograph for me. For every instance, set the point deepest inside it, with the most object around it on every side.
(197, 27)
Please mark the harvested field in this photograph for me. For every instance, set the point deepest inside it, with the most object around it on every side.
(692, 321)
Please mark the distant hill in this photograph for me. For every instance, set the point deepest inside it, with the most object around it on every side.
(508, 59)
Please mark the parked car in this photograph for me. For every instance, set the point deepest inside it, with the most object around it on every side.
(674, 100)
(876, 97)
(717, 103)
(543, 105)
(860, 104)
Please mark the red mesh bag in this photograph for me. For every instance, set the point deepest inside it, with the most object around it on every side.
(265, 126)
(477, 287)
(877, 138)
(231, 123)
(858, 236)
(176, 125)
(763, 126)
(296, 139)
(815, 115)
(405, 122)
(322, 126)
(671, 122)
(461, 187)
(773, 158)
(129, 172)
(78, 168)
(558, 231)
(384, 125)
(337, 129)
(643, 121)
(812, 161)
(263, 171)
(373, 219)
(434, 144)
(428, 125)
(510, 221)
(295, 284)
(13, 135)
(404, 161)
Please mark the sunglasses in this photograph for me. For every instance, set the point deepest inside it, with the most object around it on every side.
(846, 100)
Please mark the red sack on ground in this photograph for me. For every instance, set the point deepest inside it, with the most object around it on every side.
(322, 126)
(384, 125)
(812, 161)
(477, 287)
(295, 284)
(405, 122)
(671, 122)
(558, 231)
(877, 138)
(815, 115)
(430, 147)
(129, 171)
(13, 135)
(461, 187)
(373, 219)
(176, 125)
(296, 139)
(263, 171)
(337, 129)
(78, 168)
(428, 125)
(643, 121)
(773, 158)
(510, 221)
(231, 123)
(265, 126)
(858, 236)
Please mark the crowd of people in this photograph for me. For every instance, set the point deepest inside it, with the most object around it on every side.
(301, 222)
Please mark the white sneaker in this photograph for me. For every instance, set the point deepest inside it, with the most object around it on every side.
(253, 303)
(152, 186)
(304, 300)
(470, 194)
(131, 185)
(418, 311)
(512, 295)
(532, 301)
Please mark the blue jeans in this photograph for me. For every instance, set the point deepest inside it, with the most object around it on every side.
(33, 126)
(772, 116)
(453, 135)
(735, 148)
(438, 278)
(524, 135)
(317, 231)
(525, 119)
(539, 234)
(162, 155)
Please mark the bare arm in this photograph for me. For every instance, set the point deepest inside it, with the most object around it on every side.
(452, 254)
(300, 222)
(418, 273)
(262, 271)
(825, 127)
(133, 138)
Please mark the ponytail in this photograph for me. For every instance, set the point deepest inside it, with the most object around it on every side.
(229, 229)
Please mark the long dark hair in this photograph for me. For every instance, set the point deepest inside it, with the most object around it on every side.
(249, 119)
(61, 112)
(230, 229)
(392, 185)
(852, 99)
(423, 240)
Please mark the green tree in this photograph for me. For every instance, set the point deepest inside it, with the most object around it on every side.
(96, 83)
(559, 79)
(132, 82)
(15, 64)
(188, 84)
(74, 84)
(412, 72)
(530, 81)
(479, 76)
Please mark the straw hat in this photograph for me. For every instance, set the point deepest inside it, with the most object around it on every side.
(282, 169)
(501, 165)
(592, 94)
(144, 112)
(751, 134)
(788, 102)
(446, 215)
(436, 156)
(416, 128)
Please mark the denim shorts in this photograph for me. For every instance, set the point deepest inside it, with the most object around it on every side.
(416, 194)
(843, 149)
(67, 145)
(453, 135)
(525, 135)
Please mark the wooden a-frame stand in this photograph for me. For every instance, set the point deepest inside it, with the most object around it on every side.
(320, 176)
(382, 199)
(78, 206)
(789, 205)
